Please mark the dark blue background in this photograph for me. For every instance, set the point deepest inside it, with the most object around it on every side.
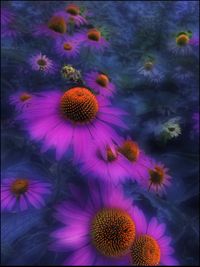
(135, 28)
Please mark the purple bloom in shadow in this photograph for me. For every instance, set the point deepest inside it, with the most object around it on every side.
(8, 24)
(19, 194)
(75, 117)
(42, 63)
(196, 122)
(67, 47)
(105, 206)
(151, 236)
(100, 83)
(21, 100)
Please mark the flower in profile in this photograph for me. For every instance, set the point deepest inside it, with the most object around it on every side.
(42, 63)
(19, 193)
(196, 122)
(21, 100)
(67, 47)
(156, 178)
(135, 157)
(76, 117)
(99, 230)
(181, 44)
(101, 83)
(70, 73)
(151, 246)
(54, 28)
(106, 163)
(150, 68)
(171, 129)
(73, 15)
(93, 39)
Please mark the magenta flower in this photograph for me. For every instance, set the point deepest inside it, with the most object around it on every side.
(21, 193)
(93, 39)
(67, 47)
(196, 122)
(72, 14)
(21, 100)
(156, 179)
(54, 28)
(75, 117)
(100, 83)
(98, 230)
(151, 246)
(42, 63)
(106, 163)
(135, 157)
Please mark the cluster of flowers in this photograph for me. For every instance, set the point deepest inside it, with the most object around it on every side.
(105, 228)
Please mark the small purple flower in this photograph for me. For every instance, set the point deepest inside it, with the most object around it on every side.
(67, 47)
(21, 100)
(181, 45)
(20, 193)
(100, 83)
(151, 237)
(72, 14)
(7, 16)
(156, 178)
(7, 24)
(42, 63)
(90, 223)
(54, 28)
(196, 122)
(93, 39)
(106, 163)
(76, 117)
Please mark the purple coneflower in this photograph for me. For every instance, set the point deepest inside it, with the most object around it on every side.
(156, 178)
(6, 16)
(20, 193)
(21, 100)
(135, 157)
(76, 117)
(98, 231)
(181, 44)
(151, 246)
(42, 63)
(8, 24)
(92, 38)
(106, 163)
(100, 83)
(67, 47)
(54, 28)
(73, 15)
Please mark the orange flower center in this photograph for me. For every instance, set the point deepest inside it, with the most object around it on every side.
(102, 80)
(113, 232)
(78, 104)
(130, 150)
(157, 175)
(182, 39)
(148, 65)
(110, 155)
(94, 35)
(19, 186)
(145, 251)
(73, 10)
(57, 24)
(23, 97)
(67, 46)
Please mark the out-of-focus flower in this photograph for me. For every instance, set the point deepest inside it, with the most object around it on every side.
(54, 28)
(106, 163)
(76, 117)
(74, 15)
(100, 83)
(70, 73)
(181, 44)
(151, 246)
(21, 100)
(151, 69)
(171, 129)
(156, 178)
(8, 27)
(42, 63)
(67, 47)
(99, 230)
(92, 38)
(19, 193)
